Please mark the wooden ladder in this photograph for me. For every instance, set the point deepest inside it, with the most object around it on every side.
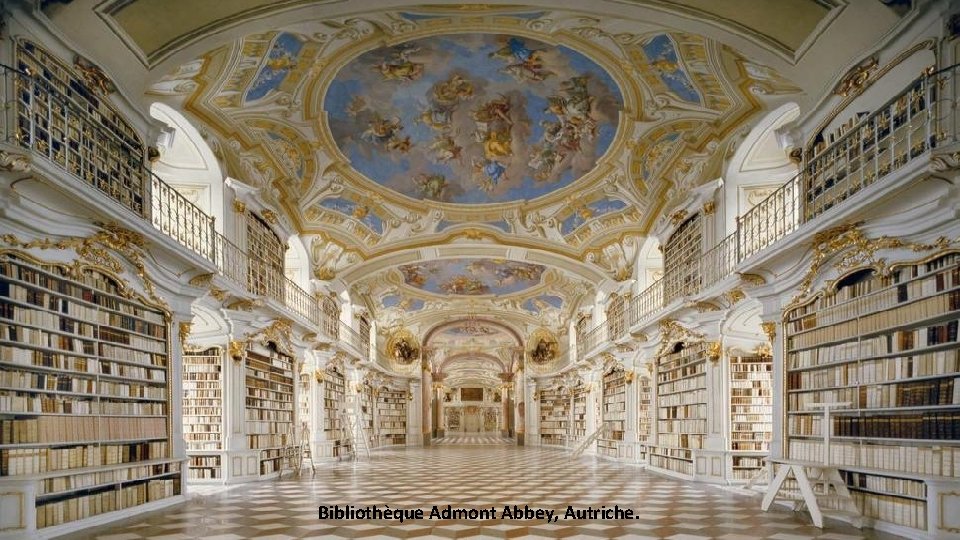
(824, 484)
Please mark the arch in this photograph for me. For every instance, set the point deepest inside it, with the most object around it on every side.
(463, 356)
(437, 328)
(188, 164)
(758, 166)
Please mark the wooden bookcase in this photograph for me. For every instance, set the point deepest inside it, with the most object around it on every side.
(888, 345)
(864, 149)
(392, 417)
(613, 413)
(203, 413)
(269, 413)
(680, 255)
(367, 412)
(554, 417)
(751, 413)
(644, 414)
(579, 422)
(84, 395)
(681, 408)
(334, 389)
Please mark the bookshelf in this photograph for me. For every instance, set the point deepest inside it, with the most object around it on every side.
(889, 346)
(269, 412)
(579, 424)
(613, 413)
(751, 413)
(84, 395)
(644, 414)
(203, 413)
(865, 148)
(367, 400)
(334, 388)
(680, 255)
(681, 408)
(392, 417)
(554, 417)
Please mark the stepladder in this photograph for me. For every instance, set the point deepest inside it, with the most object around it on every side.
(306, 449)
(814, 487)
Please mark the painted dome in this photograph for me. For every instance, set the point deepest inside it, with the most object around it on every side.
(473, 118)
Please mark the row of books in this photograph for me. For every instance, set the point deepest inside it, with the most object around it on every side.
(14, 402)
(152, 338)
(671, 386)
(274, 415)
(920, 338)
(698, 395)
(841, 352)
(898, 459)
(21, 461)
(696, 426)
(698, 410)
(108, 298)
(926, 426)
(925, 393)
(74, 482)
(69, 429)
(57, 513)
(907, 512)
(886, 484)
(269, 440)
(879, 370)
(203, 473)
(679, 465)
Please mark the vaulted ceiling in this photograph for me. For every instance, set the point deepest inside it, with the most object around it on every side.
(446, 160)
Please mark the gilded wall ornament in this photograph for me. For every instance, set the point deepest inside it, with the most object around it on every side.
(184, 328)
(714, 351)
(237, 349)
(856, 79)
(735, 295)
(269, 216)
(239, 206)
(97, 250)
(770, 329)
(542, 347)
(94, 76)
(403, 348)
(677, 217)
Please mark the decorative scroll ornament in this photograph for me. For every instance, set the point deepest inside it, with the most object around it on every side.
(269, 216)
(714, 351)
(856, 79)
(673, 332)
(237, 350)
(319, 375)
(280, 333)
(93, 76)
(98, 248)
(184, 329)
(542, 347)
(628, 376)
(858, 250)
(770, 329)
(403, 347)
(764, 350)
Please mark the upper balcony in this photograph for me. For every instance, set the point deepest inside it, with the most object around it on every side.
(872, 158)
(59, 125)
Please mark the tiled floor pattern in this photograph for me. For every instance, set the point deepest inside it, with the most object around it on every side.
(474, 439)
(472, 477)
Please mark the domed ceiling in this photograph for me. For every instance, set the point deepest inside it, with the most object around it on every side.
(446, 160)
(471, 118)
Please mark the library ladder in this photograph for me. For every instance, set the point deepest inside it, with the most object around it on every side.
(306, 449)
(585, 443)
(822, 485)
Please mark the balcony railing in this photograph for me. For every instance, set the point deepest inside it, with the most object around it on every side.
(39, 118)
(353, 338)
(921, 117)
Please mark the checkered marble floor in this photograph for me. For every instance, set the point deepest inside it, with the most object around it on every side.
(474, 439)
(472, 477)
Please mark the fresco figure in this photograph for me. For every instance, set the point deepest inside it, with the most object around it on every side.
(400, 67)
(432, 186)
(445, 149)
(488, 173)
(381, 130)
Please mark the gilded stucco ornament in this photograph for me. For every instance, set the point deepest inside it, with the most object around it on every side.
(14, 161)
(714, 351)
(237, 349)
(856, 79)
(856, 249)
(402, 347)
(98, 248)
(770, 329)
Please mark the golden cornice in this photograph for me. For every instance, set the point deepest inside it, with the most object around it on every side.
(98, 248)
(770, 329)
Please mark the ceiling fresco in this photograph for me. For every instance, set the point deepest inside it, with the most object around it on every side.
(476, 118)
(472, 277)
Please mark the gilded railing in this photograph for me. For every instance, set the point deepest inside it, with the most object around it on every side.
(922, 116)
(39, 118)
